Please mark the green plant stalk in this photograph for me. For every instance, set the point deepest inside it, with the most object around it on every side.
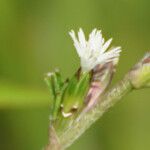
(54, 143)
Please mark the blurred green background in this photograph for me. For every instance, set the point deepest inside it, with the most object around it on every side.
(34, 40)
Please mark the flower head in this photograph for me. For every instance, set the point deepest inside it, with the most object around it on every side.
(95, 50)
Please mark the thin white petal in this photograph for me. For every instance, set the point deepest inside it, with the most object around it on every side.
(110, 55)
(92, 34)
(95, 40)
(81, 37)
(76, 43)
(105, 46)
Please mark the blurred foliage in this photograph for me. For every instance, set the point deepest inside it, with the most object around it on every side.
(34, 40)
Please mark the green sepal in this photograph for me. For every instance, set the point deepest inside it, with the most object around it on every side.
(56, 87)
(70, 89)
(73, 101)
(56, 108)
(82, 85)
(49, 81)
(54, 83)
(75, 93)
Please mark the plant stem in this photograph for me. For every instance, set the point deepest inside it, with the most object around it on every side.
(54, 143)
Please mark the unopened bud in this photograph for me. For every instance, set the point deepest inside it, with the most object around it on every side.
(140, 73)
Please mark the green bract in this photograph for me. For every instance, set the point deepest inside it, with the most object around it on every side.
(67, 97)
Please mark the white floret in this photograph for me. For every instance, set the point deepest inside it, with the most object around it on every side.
(94, 51)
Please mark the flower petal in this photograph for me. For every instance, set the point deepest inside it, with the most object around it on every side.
(76, 43)
(81, 37)
(105, 46)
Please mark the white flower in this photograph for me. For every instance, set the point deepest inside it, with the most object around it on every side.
(94, 51)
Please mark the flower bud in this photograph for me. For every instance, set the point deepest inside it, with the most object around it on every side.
(140, 73)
